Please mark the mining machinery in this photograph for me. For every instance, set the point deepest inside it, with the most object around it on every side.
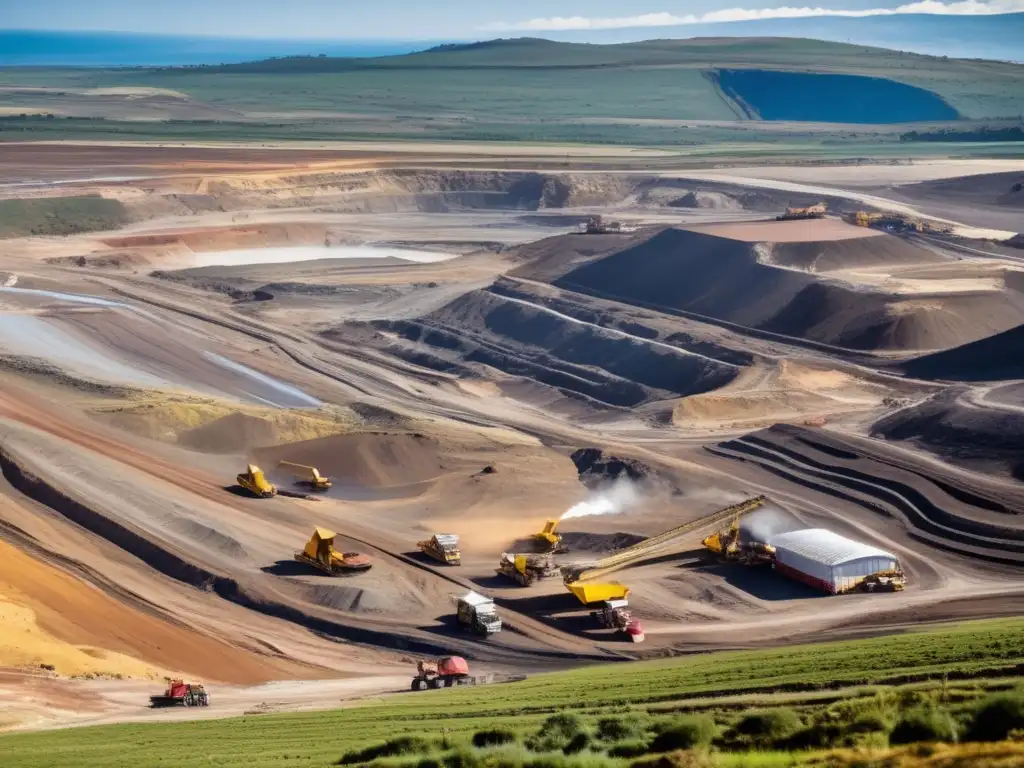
(320, 554)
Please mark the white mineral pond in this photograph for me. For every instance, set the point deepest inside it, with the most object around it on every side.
(245, 256)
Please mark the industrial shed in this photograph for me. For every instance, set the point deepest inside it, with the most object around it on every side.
(829, 561)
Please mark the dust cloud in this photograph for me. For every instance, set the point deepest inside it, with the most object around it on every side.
(620, 496)
(764, 523)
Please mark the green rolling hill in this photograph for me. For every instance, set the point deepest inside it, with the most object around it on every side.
(532, 89)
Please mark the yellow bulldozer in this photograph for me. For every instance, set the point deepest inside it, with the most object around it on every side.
(307, 475)
(320, 554)
(255, 482)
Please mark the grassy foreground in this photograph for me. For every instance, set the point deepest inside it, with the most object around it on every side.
(809, 676)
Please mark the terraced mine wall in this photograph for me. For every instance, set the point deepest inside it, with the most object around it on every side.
(954, 517)
(606, 366)
(986, 438)
(735, 282)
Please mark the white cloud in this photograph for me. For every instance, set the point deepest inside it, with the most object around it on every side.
(563, 23)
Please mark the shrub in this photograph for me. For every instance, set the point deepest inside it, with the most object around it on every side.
(995, 717)
(402, 745)
(869, 722)
(627, 749)
(680, 759)
(577, 743)
(556, 733)
(506, 759)
(494, 737)
(615, 729)
(771, 724)
(684, 733)
(815, 736)
(883, 708)
(923, 724)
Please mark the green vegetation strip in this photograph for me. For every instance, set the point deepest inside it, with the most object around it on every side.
(320, 738)
(60, 215)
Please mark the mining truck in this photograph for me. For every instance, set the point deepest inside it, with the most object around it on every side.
(596, 225)
(181, 693)
(478, 614)
(255, 482)
(443, 673)
(615, 614)
(526, 569)
(886, 581)
(320, 554)
(443, 547)
(816, 211)
(307, 475)
(449, 671)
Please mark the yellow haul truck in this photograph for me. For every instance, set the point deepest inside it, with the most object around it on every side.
(255, 482)
(443, 547)
(526, 569)
(307, 475)
(320, 554)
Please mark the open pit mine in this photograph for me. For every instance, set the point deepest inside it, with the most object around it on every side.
(311, 420)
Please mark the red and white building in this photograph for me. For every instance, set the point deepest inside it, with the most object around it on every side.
(828, 561)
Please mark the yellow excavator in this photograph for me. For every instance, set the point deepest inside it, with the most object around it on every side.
(728, 546)
(307, 475)
(255, 482)
(549, 539)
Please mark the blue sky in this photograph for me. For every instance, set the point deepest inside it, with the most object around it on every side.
(434, 19)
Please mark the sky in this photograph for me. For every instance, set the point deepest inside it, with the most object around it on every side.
(434, 19)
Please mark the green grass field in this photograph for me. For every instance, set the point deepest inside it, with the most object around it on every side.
(801, 675)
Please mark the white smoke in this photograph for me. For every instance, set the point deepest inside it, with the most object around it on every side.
(612, 499)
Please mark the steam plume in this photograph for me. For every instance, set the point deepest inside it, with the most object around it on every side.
(609, 500)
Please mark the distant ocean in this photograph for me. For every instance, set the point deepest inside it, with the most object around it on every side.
(116, 49)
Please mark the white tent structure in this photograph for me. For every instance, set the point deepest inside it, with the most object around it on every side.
(827, 560)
